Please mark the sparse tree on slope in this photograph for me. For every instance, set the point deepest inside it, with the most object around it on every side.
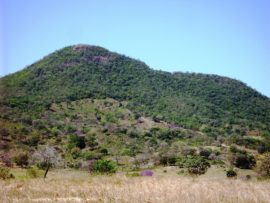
(47, 157)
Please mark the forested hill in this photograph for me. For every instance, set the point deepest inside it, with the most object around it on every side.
(83, 71)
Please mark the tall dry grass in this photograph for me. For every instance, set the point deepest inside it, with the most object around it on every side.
(138, 189)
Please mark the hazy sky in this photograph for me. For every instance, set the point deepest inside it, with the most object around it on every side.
(225, 37)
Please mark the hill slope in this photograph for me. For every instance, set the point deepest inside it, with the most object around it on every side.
(88, 104)
(83, 71)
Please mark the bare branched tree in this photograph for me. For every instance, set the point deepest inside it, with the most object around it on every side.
(48, 157)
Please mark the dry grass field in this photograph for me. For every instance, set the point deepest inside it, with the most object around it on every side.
(74, 186)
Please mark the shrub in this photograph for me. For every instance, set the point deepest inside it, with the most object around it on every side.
(166, 134)
(188, 151)
(133, 133)
(21, 159)
(5, 173)
(110, 117)
(231, 173)
(91, 140)
(243, 160)
(263, 166)
(168, 159)
(76, 141)
(104, 151)
(32, 140)
(75, 152)
(55, 131)
(104, 166)
(71, 129)
(233, 149)
(205, 152)
(195, 164)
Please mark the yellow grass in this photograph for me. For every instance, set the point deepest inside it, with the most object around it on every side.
(72, 186)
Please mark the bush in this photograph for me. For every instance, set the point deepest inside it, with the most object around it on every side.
(263, 166)
(243, 160)
(231, 173)
(167, 159)
(76, 141)
(21, 160)
(5, 173)
(233, 149)
(110, 117)
(91, 155)
(205, 153)
(104, 166)
(104, 151)
(195, 164)
(75, 152)
(91, 140)
(188, 151)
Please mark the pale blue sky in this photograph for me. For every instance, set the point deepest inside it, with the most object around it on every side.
(225, 37)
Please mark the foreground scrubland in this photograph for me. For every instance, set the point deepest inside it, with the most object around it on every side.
(78, 186)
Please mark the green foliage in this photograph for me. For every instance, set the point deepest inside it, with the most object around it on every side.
(76, 141)
(5, 173)
(54, 131)
(195, 164)
(104, 166)
(65, 98)
(75, 152)
(205, 152)
(91, 155)
(32, 173)
(42, 165)
(132, 174)
(186, 151)
(231, 173)
(263, 166)
(242, 159)
(75, 73)
(168, 159)
(91, 140)
(251, 142)
(110, 117)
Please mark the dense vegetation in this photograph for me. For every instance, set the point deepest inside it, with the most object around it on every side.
(90, 105)
(190, 100)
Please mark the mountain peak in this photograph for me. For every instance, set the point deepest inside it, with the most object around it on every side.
(85, 47)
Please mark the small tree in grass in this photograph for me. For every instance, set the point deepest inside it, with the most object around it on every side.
(196, 165)
(46, 157)
(263, 166)
(104, 166)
